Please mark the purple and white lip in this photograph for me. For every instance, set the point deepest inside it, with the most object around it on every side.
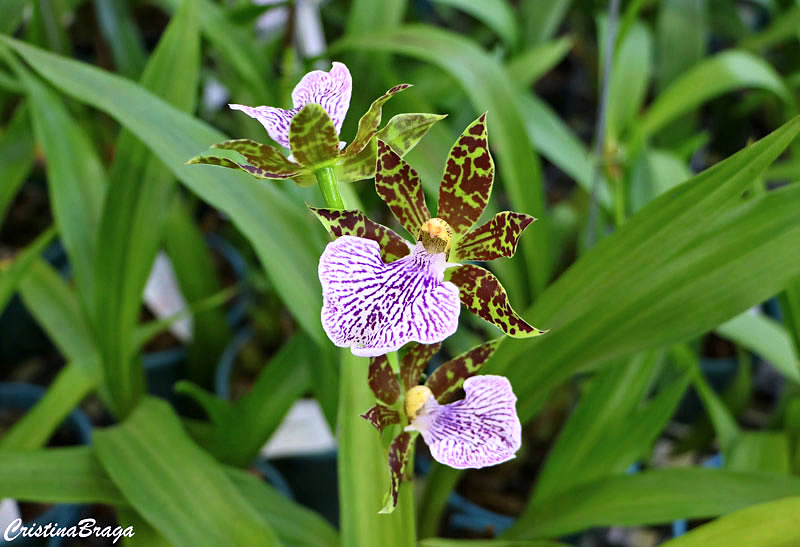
(376, 308)
(480, 430)
(331, 90)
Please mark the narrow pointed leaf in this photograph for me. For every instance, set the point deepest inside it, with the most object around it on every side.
(381, 416)
(313, 137)
(355, 223)
(400, 187)
(262, 156)
(404, 131)
(369, 122)
(445, 381)
(496, 239)
(399, 452)
(382, 380)
(467, 180)
(483, 295)
(414, 362)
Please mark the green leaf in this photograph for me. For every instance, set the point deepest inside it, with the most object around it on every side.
(446, 380)
(404, 131)
(681, 36)
(767, 338)
(439, 483)
(495, 14)
(467, 181)
(16, 157)
(482, 294)
(708, 79)
(655, 172)
(652, 497)
(535, 62)
(151, 459)
(11, 13)
(355, 223)
(496, 239)
(399, 186)
(120, 32)
(441, 542)
(11, 274)
(541, 20)
(313, 137)
(135, 212)
(489, 88)
(369, 122)
(276, 225)
(770, 524)
(759, 451)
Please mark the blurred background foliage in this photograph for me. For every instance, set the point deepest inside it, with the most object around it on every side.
(655, 141)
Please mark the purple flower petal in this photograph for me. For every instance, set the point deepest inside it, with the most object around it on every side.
(275, 120)
(331, 89)
(375, 308)
(478, 431)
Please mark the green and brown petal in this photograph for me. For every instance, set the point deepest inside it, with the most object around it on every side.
(313, 137)
(267, 158)
(414, 362)
(399, 457)
(382, 380)
(400, 187)
(381, 416)
(496, 239)
(404, 131)
(369, 122)
(467, 180)
(231, 164)
(446, 380)
(355, 223)
(482, 294)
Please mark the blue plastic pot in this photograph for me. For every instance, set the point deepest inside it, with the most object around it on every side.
(25, 396)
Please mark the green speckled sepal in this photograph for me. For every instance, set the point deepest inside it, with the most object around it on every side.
(261, 156)
(496, 239)
(404, 131)
(313, 137)
(467, 180)
(483, 295)
(231, 164)
(381, 417)
(382, 380)
(414, 362)
(369, 122)
(446, 380)
(358, 167)
(401, 188)
(355, 223)
(399, 457)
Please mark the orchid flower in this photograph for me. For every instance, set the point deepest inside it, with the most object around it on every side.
(479, 430)
(380, 291)
(310, 131)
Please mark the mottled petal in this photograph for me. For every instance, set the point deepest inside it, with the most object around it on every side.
(400, 187)
(331, 89)
(399, 457)
(483, 295)
(414, 362)
(467, 180)
(381, 417)
(375, 308)
(312, 137)
(495, 239)
(369, 122)
(404, 131)
(266, 158)
(230, 164)
(340, 223)
(445, 381)
(275, 120)
(382, 380)
(480, 430)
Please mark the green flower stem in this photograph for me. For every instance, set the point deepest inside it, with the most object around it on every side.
(362, 460)
(329, 187)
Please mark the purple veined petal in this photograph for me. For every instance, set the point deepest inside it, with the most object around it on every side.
(275, 120)
(375, 308)
(480, 430)
(331, 89)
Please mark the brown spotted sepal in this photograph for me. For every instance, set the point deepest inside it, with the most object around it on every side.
(260, 160)
(496, 239)
(467, 180)
(400, 452)
(313, 137)
(414, 362)
(355, 223)
(482, 294)
(369, 122)
(404, 131)
(399, 185)
(446, 380)
(382, 380)
(381, 416)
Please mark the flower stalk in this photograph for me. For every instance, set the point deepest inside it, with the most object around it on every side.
(326, 178)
